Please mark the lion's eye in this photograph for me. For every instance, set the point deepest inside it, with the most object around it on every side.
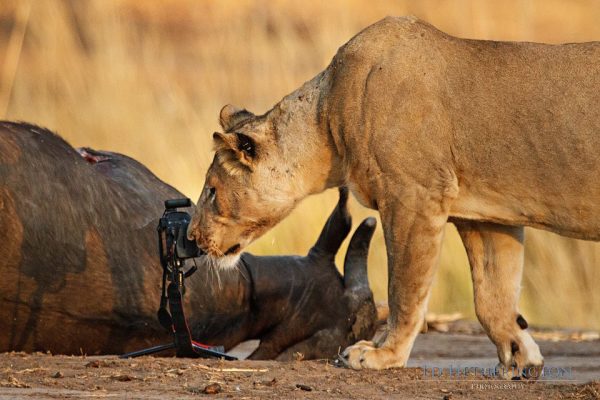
(212, 192)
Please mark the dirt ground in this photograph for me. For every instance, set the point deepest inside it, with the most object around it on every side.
(43, 376)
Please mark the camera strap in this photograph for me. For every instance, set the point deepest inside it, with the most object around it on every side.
(163, 314)
(180, 328)
(164, 318)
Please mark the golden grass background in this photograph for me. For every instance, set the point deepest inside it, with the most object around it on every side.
(148, 78)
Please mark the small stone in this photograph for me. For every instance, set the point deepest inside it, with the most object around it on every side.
(306, 388)
(58, 374)
(213, 388)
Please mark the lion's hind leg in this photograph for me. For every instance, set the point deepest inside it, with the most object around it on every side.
(495, 253)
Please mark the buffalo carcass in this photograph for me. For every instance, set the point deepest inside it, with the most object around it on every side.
(80, 269)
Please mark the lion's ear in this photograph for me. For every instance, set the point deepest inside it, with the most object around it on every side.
(222, 141)
(230, 116)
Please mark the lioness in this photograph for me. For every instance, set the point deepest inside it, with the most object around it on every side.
(425, 128)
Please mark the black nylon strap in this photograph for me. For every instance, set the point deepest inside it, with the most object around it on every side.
(181, 331)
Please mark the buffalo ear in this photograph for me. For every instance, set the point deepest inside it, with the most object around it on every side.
(231, 116)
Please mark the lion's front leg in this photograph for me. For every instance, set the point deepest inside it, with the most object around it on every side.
(413, 228)
(496, 256)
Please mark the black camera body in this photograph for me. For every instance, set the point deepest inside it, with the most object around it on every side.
(174, 246)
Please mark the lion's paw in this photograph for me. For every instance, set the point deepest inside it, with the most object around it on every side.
(364, 355)
(522, 360)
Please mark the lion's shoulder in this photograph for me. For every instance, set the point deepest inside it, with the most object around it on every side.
(389, 34)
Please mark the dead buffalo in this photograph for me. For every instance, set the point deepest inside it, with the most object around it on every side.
(80, 270)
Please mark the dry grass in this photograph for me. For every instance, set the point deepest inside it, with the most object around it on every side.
(148, 79)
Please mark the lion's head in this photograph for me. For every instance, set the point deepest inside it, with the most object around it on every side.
(263, 166)
(248, 188)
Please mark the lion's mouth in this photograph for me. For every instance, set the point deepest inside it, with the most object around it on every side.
(215, 252)
(233, 250)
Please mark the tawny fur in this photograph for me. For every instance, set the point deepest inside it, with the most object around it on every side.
(427, 128)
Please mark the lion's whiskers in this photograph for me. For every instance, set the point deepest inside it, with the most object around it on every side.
(217, 264)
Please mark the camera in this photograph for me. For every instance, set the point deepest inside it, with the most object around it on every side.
(174, 246)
